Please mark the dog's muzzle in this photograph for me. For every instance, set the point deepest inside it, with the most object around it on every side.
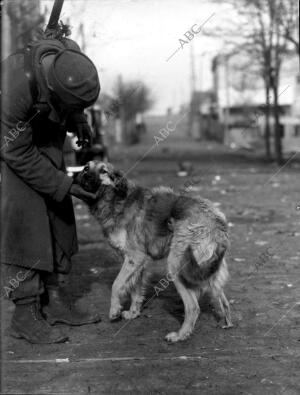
(88, 178)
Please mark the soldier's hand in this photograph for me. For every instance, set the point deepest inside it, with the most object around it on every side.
(81, 194)
(78, 125)
(84, 135)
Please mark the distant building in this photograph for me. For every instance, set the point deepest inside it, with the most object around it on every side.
(240, 104)
(204, 123)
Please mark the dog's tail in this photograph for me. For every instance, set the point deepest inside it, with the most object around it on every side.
(208, 260)
(201, 264)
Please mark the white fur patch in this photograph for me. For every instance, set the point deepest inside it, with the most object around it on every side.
(220, 214)
(105, 179)
(221, 276)
(119, 239)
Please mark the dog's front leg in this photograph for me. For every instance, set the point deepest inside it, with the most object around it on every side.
(138, 285)
(121, 285)
(135, 307)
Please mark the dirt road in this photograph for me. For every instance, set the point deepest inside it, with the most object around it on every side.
(260, 355)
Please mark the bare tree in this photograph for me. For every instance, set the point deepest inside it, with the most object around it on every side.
(133, 97)
(130, 99)
(24, 23)
(262, 30)
(289, 20)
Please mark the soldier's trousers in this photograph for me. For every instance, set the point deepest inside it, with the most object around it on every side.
(23, 285)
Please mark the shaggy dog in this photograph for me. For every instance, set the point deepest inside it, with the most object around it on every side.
(150, 224)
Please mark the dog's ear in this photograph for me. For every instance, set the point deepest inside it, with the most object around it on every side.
(121, 184)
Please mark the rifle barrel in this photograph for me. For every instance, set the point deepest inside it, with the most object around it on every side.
(55, 14)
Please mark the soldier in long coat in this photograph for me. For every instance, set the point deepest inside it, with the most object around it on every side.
(44, 93)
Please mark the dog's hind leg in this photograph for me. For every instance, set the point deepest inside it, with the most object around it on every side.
(225, 307)
(191, 312)
(220, 306)
(218, 298)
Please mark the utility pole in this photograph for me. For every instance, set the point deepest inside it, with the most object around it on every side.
(81, 35)
(227, 95)
(193, 74)
(192, 90)
(123, 131)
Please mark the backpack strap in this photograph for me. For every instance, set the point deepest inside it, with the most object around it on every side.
(30, 74)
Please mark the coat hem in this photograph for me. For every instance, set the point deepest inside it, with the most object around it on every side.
(30, 263)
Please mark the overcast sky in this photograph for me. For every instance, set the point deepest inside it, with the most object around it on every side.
(136, 37)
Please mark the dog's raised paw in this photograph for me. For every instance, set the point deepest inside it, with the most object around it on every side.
(130, 315)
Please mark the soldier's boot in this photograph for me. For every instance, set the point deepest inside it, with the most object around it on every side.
(28, 323)
(60, 310)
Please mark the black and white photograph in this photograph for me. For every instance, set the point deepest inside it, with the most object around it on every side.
(150, 197)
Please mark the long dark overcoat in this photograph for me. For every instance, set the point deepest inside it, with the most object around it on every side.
(35, 205)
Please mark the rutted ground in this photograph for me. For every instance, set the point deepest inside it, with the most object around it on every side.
(260, 355)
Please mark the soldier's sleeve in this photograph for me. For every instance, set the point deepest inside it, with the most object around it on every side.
(18, 150)
(77, 117)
